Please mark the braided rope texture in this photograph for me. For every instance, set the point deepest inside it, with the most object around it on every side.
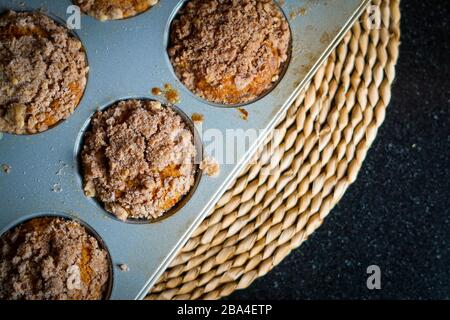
(313, 157)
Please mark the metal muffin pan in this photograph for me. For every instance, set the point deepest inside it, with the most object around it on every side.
(127, 58)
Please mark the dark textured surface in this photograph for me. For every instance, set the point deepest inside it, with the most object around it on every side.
(397, 214)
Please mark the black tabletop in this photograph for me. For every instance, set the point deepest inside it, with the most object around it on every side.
(397, 214)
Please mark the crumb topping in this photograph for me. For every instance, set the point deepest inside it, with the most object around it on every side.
(52, 259)
(229, 51)
(138, 159)
(114, 9)
(43, 72)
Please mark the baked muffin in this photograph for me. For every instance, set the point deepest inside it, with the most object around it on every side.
(114, 9)
(138, 159)
(52, 259)
(43, 72)
(227, 51)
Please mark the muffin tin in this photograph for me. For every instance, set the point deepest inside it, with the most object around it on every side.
(127, 58)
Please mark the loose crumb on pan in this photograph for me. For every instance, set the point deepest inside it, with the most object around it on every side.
(171, 94)
(210, 167)
(43, 72)
(52, 259)
(6, 168)
(197, 118)
(243, 113)
(114, 9)
(57, 188)
(138, 159)
(229, 51)
(156, 91)
(124, 268)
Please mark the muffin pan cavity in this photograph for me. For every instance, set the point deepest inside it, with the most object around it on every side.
(139, 159)
(44, 71)
(229, 54)
(54, 257)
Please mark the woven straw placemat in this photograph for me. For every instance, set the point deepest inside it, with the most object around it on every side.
(318, 150)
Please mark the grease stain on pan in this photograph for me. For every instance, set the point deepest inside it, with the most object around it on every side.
(325, 38)
(296, 11)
